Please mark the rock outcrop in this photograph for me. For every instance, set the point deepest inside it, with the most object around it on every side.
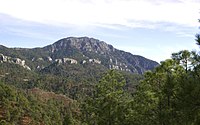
(18, 61)
(66, 60)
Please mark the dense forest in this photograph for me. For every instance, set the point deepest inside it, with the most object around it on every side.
(167, 95)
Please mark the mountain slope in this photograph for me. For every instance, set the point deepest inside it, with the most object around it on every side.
(89, 50)
(82, 51)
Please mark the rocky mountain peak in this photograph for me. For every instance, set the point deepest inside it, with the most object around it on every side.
(83, 44)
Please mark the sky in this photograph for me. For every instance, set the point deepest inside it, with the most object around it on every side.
(150, 28)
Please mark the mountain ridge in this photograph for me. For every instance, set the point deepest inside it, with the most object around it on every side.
(81, 50)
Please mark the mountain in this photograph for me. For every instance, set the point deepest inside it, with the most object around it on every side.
(90, 50)
(70, 66)
(46, 85)
(77, 51)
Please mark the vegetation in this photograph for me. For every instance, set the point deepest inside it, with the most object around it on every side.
(168, 95)
(23, 108)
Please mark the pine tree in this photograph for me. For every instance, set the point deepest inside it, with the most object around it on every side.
(107, 106)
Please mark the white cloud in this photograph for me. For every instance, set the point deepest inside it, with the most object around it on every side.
(106, 12)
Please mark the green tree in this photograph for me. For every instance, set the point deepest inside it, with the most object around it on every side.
(107, 105)
(183, 58)
(188, 95)
(156, 95)
(171, 93)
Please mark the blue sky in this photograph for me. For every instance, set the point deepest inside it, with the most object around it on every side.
(151, 28)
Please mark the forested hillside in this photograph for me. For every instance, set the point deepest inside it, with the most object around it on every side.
(168, 95)
(67, 91)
